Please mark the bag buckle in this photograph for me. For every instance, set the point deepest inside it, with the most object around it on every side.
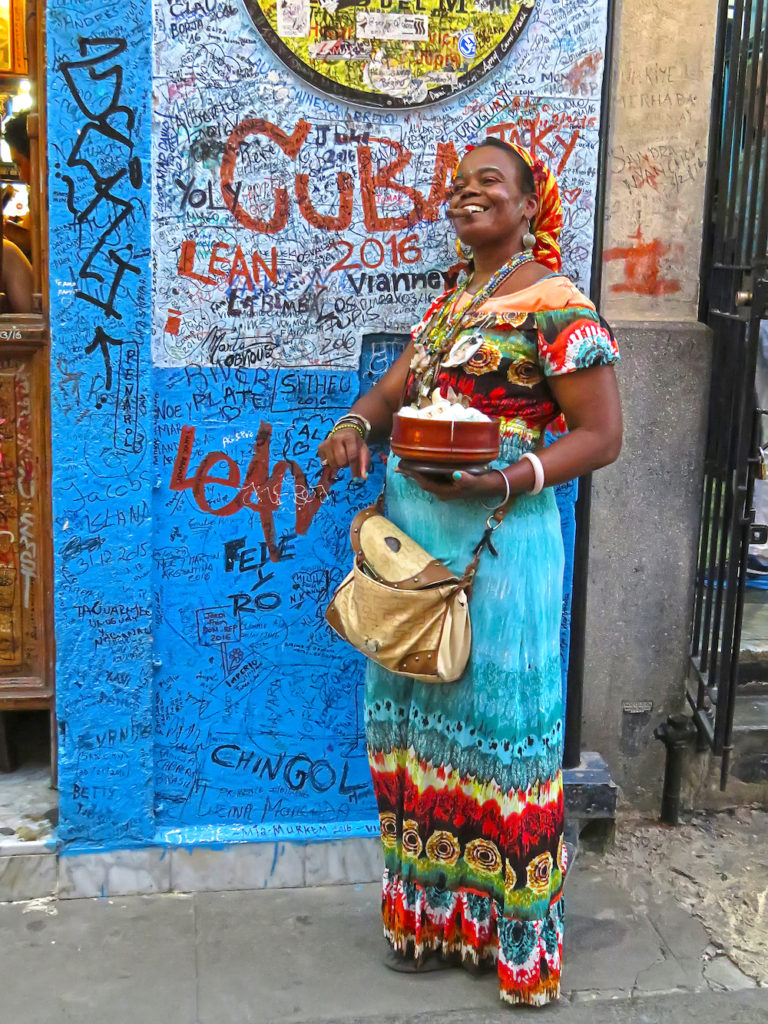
(494, 520)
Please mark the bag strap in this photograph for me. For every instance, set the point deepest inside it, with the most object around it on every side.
(492, 523)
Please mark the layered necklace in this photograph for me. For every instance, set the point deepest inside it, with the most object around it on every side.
(443, 327)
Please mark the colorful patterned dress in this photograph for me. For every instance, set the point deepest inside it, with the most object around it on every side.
(467, 775)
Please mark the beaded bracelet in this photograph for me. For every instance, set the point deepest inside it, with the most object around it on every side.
(347, 426)
(357, 418)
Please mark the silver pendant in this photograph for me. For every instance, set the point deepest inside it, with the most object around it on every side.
(463, 351)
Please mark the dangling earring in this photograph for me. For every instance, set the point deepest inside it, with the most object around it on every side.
(529, 239)
(464, 251)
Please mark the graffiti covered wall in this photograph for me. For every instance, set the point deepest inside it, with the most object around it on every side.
(99, 158)
(297, 233)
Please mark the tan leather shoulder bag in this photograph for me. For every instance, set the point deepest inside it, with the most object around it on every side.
(401, 607)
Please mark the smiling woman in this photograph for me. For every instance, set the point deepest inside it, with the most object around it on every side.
(468, 774)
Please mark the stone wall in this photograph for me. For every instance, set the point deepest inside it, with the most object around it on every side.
(645, 508)
(659, 131)
(645, 515)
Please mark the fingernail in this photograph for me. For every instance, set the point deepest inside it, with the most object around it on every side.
(456, 474)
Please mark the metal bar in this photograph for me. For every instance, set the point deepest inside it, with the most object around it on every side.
(709, 581)
(756, 127)
(575, 684)
(732, 534)
(734, 366)
(726, 316)
(749, 434)
(746, 267)
(715, 445)
(741, 181)
(727, 146)
(735, 132)
(596, 277)
(761, 178)
(698, 589)
(714, 153)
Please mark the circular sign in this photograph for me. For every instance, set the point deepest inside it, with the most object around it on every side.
(467, 44)
(391, 53)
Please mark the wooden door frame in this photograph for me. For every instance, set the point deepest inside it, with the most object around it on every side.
(31, 339)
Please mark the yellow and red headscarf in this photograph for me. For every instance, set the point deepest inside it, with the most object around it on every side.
(548, 222)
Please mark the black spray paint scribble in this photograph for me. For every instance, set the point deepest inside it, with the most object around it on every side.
(104, 200)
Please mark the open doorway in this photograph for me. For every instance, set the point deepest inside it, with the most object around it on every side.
(27, 732)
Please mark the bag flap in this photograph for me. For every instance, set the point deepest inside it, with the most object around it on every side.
(392, 556)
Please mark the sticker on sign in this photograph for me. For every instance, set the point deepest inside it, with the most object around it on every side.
(467, 44)
(339, 49)
(389, 26)
(293, 18)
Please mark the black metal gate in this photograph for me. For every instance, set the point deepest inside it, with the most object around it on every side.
(734, 302)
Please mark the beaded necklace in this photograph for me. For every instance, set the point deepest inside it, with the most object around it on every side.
(444, 325)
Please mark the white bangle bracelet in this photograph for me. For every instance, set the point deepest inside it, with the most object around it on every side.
(538, 472)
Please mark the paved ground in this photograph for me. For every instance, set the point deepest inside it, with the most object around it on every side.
(636, 953)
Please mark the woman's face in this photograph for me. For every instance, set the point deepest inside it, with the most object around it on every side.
(487, 203)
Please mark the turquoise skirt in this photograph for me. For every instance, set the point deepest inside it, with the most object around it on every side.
(467, 774)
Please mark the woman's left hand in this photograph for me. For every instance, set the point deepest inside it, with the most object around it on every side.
(484, 486)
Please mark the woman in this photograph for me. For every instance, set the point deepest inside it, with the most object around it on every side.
(467, 775)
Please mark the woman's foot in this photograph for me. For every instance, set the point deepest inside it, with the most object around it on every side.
(429, 961)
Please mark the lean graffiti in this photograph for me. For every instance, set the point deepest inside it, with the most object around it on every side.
(259, 490)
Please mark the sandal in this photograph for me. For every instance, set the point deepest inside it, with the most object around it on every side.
(429, 962)
(486, 966)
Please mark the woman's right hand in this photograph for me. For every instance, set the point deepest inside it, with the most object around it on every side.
(344, 448)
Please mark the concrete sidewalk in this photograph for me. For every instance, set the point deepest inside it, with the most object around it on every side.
(314, 955)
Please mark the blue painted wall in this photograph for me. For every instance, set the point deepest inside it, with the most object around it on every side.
(103, 475)
(199, 355)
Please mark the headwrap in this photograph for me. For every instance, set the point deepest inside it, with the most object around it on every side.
(548, 222)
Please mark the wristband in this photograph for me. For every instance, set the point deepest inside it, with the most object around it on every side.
(342, 425)
(364, 423)
(353, 419)
(538, 472)
(505, 478)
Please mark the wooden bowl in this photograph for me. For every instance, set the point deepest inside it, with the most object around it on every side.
(445, 442)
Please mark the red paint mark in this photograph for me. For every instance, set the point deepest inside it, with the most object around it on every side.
(570, 195)
(375, 175)
(180, 88)
(446, 165)
(187, 263)
(551, 138)
(290, 145)
(386, 178)
(643, 266)
(583, 72)
(645, 173)
(343, 219)
(220, 265)
(173, 323)
(260, 490)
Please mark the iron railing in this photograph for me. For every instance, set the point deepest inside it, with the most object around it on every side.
(734, 301)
